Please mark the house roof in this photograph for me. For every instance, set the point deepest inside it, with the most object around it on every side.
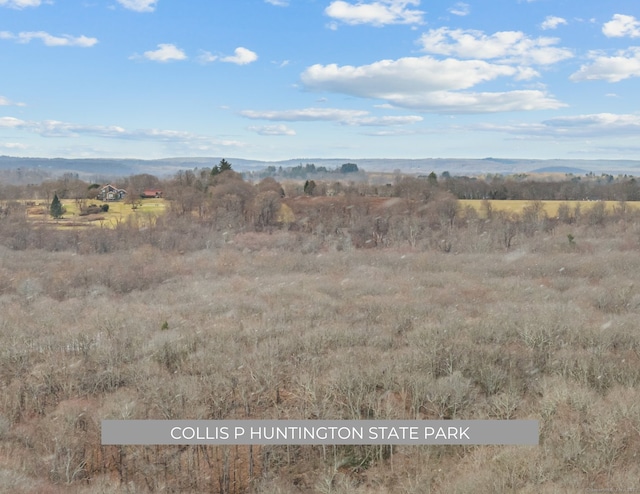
(110, 187)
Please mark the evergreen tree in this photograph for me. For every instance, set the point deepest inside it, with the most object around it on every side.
(221, 167)
(224, 165)
(56, 210)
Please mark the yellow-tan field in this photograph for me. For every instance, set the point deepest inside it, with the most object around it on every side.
(119, 213)
(551, 207)
(149, 209)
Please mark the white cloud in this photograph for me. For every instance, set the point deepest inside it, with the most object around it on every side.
(345, 117)
(505, 46)
(460, 9)
(552, 22)
(378, 13)
(55, 128)
(207, 57)
(621, 122)
(242, 56)
(139, 5)
(625, 64)
(577, 126)
(621, 26)
(166, 52)
(427, 84)
(272, 130)
(392, 132)
(430, 84)
(306, 114)
(278, 3)
(20, 4)
(11, 123)
(50, 40)
(386, 121)
(7, 102)
(479, 102)
(13, 145)
(386, 78)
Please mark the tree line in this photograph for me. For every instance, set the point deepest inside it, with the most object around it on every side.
(520, 187)
(423, 212)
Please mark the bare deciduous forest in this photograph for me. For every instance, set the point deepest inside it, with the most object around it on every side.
(344, 300)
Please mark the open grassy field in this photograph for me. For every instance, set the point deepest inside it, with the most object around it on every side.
(119, 212)
(550, 207)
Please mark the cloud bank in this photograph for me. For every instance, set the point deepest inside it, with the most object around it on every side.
(49, 39)
(54, 128)
(344, 117)
(427, 84)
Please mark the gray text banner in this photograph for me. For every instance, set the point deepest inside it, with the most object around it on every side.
(353, 432)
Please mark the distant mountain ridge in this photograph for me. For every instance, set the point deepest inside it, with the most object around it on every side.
(90, 168)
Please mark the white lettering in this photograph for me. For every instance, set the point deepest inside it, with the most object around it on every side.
(464, 433)
(172, 433)
(446, 433)
(190, 431)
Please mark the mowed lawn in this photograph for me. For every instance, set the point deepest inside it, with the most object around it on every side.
(551, 207)
(119, 212)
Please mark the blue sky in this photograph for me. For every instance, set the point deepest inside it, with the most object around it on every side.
(279, 79)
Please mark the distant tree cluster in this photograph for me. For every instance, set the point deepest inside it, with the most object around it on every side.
(520, 187)
(308, 170)
(349, 168)
(221, 197)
